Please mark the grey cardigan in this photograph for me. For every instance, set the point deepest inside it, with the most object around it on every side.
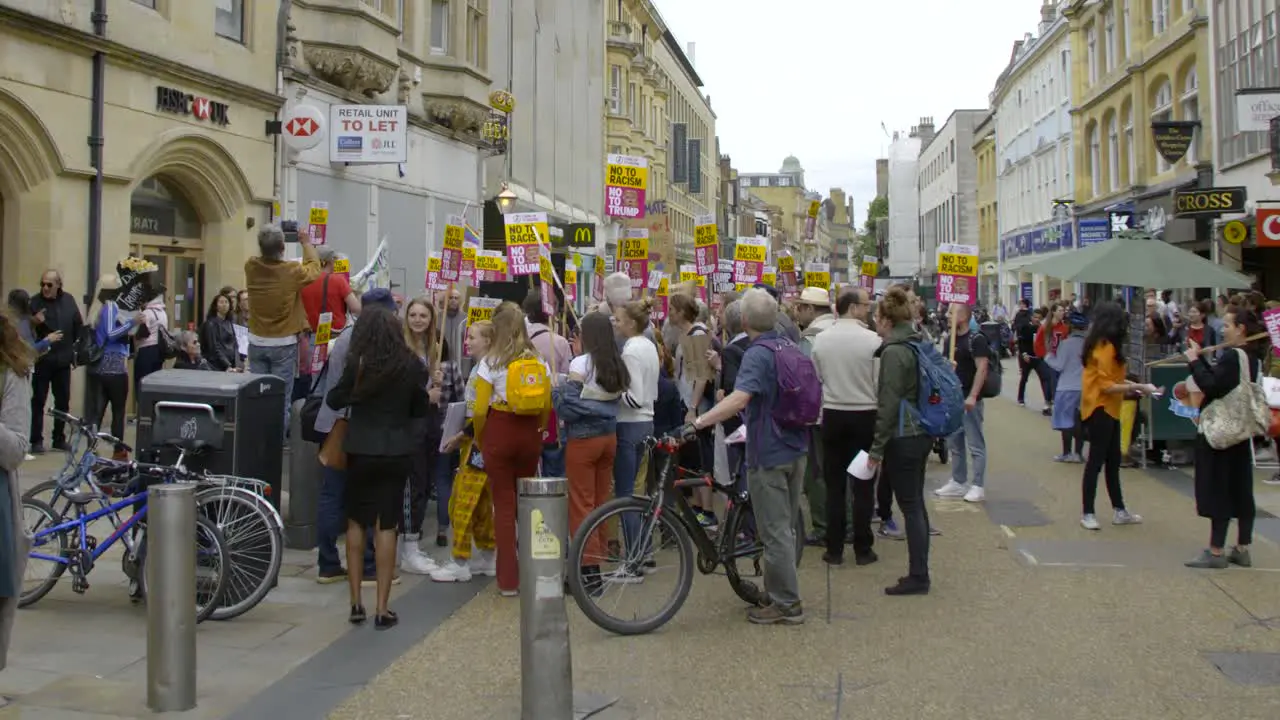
(15, 428)
(1069, 362)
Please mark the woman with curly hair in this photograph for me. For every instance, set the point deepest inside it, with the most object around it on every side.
(384, 383)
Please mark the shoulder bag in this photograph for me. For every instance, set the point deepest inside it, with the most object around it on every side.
(332, 454)
(311, 404)
(1240, 415)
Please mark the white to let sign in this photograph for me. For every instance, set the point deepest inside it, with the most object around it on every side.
(368, 133)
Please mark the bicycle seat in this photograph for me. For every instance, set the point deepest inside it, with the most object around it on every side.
(188, 446)
(81, 495)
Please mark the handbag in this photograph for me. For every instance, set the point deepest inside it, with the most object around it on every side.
(1239, 416)
(332, 455)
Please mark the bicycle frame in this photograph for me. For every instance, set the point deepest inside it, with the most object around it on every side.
(665, 496)
(81, 524)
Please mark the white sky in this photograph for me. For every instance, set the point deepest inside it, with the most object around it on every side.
(815, 78)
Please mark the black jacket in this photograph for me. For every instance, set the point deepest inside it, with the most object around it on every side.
(218, 343)
(381, 422)
(730, 362)
(62, 314)
(1026, 334)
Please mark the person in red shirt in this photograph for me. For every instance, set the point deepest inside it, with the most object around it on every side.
(342, 300)
(1041, 346)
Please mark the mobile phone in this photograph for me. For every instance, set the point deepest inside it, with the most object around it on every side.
(290, 228)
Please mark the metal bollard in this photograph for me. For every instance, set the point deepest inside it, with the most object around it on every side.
(546, 669)
(304, 488)
(171, 597)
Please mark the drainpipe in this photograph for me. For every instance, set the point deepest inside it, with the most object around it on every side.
(282, 61)
(96, 140)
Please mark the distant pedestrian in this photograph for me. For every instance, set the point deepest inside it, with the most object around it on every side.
(190, 355)
(1067, 360)
(57, 314)
(218, 334)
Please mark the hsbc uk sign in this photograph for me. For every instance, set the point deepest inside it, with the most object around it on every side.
(183, 103)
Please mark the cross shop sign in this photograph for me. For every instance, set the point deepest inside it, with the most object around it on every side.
(182, 103)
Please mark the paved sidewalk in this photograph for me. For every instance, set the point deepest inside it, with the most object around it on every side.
(83, 657)
(1030, 616)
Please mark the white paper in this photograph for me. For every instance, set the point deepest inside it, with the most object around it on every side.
(738, 436)
(242, 339)
(1271, 387)
(860, 468)
(454, 418)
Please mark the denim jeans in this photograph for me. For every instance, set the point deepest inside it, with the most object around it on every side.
(775, 501)
(278, 360)
(626, 463)
(553, 460)
(969, 437)
(331, 522)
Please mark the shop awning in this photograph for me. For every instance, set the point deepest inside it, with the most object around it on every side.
(1017, 264)
(1134, 259)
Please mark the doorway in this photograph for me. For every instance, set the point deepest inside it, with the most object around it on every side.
(182, 272)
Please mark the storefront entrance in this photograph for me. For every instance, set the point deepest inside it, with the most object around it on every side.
(167, 231)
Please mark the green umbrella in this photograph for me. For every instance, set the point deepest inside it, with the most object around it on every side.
(1136, 259)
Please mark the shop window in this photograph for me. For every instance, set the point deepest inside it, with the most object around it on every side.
(228, 19)
(158, 207)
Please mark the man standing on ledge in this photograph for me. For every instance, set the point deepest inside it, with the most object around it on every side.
(276, 314)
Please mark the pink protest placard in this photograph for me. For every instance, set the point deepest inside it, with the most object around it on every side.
(1271, 318)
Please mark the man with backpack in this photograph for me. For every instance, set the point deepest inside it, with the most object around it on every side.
(779, 389)
(972, 361)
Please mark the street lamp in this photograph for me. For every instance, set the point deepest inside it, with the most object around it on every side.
(506, 198)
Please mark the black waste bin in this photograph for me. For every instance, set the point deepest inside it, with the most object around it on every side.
(237, 417)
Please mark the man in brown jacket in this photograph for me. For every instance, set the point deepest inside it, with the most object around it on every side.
(276, 316)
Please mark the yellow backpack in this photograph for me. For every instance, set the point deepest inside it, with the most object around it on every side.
(528, 386)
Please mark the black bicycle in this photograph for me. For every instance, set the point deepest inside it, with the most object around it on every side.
(659, 528)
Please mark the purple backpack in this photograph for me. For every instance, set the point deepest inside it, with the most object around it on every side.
(799, 401)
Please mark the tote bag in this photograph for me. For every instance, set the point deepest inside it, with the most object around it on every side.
(1240, 415)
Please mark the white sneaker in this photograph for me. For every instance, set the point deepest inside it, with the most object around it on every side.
(26, 458)
(975, 495)
(452, 571)
(1090, 522)
(1124, 517)
(413, 560)
(484, 562)
(952, 489)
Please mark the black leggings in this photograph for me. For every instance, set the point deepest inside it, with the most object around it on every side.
(1104, 450)
(110, 390)
(1073, 436)
(1244, 531)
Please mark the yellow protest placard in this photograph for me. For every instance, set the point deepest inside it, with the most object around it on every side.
(634, 248)
(319, 214)
(600, 266)
(786, 264)
(545, 272)
(955, 264)
(469, 253)
(481, 308)
(705, 236)
(870, 265)
(433, 264)
(749, 252)
(627, 176)
(740, 287)
(570, 276)
(769, 277)
(526, 229)
(817, 275)
(453, 237)
(490, 263)
(341, 265)
(814, 207)
(324, 329)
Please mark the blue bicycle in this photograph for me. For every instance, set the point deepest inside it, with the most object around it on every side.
(65, 545)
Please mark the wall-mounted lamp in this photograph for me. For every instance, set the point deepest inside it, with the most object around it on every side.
(506, 198)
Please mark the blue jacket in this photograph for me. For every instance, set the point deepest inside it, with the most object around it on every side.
(111, 332)
(583, 418)
(1069, 362)
(28, 333)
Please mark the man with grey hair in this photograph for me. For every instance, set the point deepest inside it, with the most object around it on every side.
(775, 460)
(276, 314)
(617, 293)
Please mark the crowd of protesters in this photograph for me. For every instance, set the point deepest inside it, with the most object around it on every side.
(579, 399)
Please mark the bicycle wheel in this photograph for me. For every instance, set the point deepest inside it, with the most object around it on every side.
(741, 551)
(36, 514)
(255, 548)
(664, 540)
(211, 567)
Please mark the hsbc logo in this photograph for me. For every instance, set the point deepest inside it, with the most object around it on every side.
(182, 103)
(302, 127)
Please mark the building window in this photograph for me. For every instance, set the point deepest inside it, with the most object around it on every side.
(1113, 154)
(1130, 149)
(1162, 110)
(1126, 27)
(1159, 17)
(228, 19)
(1109, 38)
(1188, 6)
(439, 27)
(1091, 53)
(147, 3)
(1190, 110)
(477, 33)
(615, 89)
(1095, 161)
(631, 101)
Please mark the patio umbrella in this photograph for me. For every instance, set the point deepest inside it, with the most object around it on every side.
(1136, 259)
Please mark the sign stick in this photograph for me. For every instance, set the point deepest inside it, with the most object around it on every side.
(952, 353)
(1177, 358)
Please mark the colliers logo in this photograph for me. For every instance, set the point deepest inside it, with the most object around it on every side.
(181, 103)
